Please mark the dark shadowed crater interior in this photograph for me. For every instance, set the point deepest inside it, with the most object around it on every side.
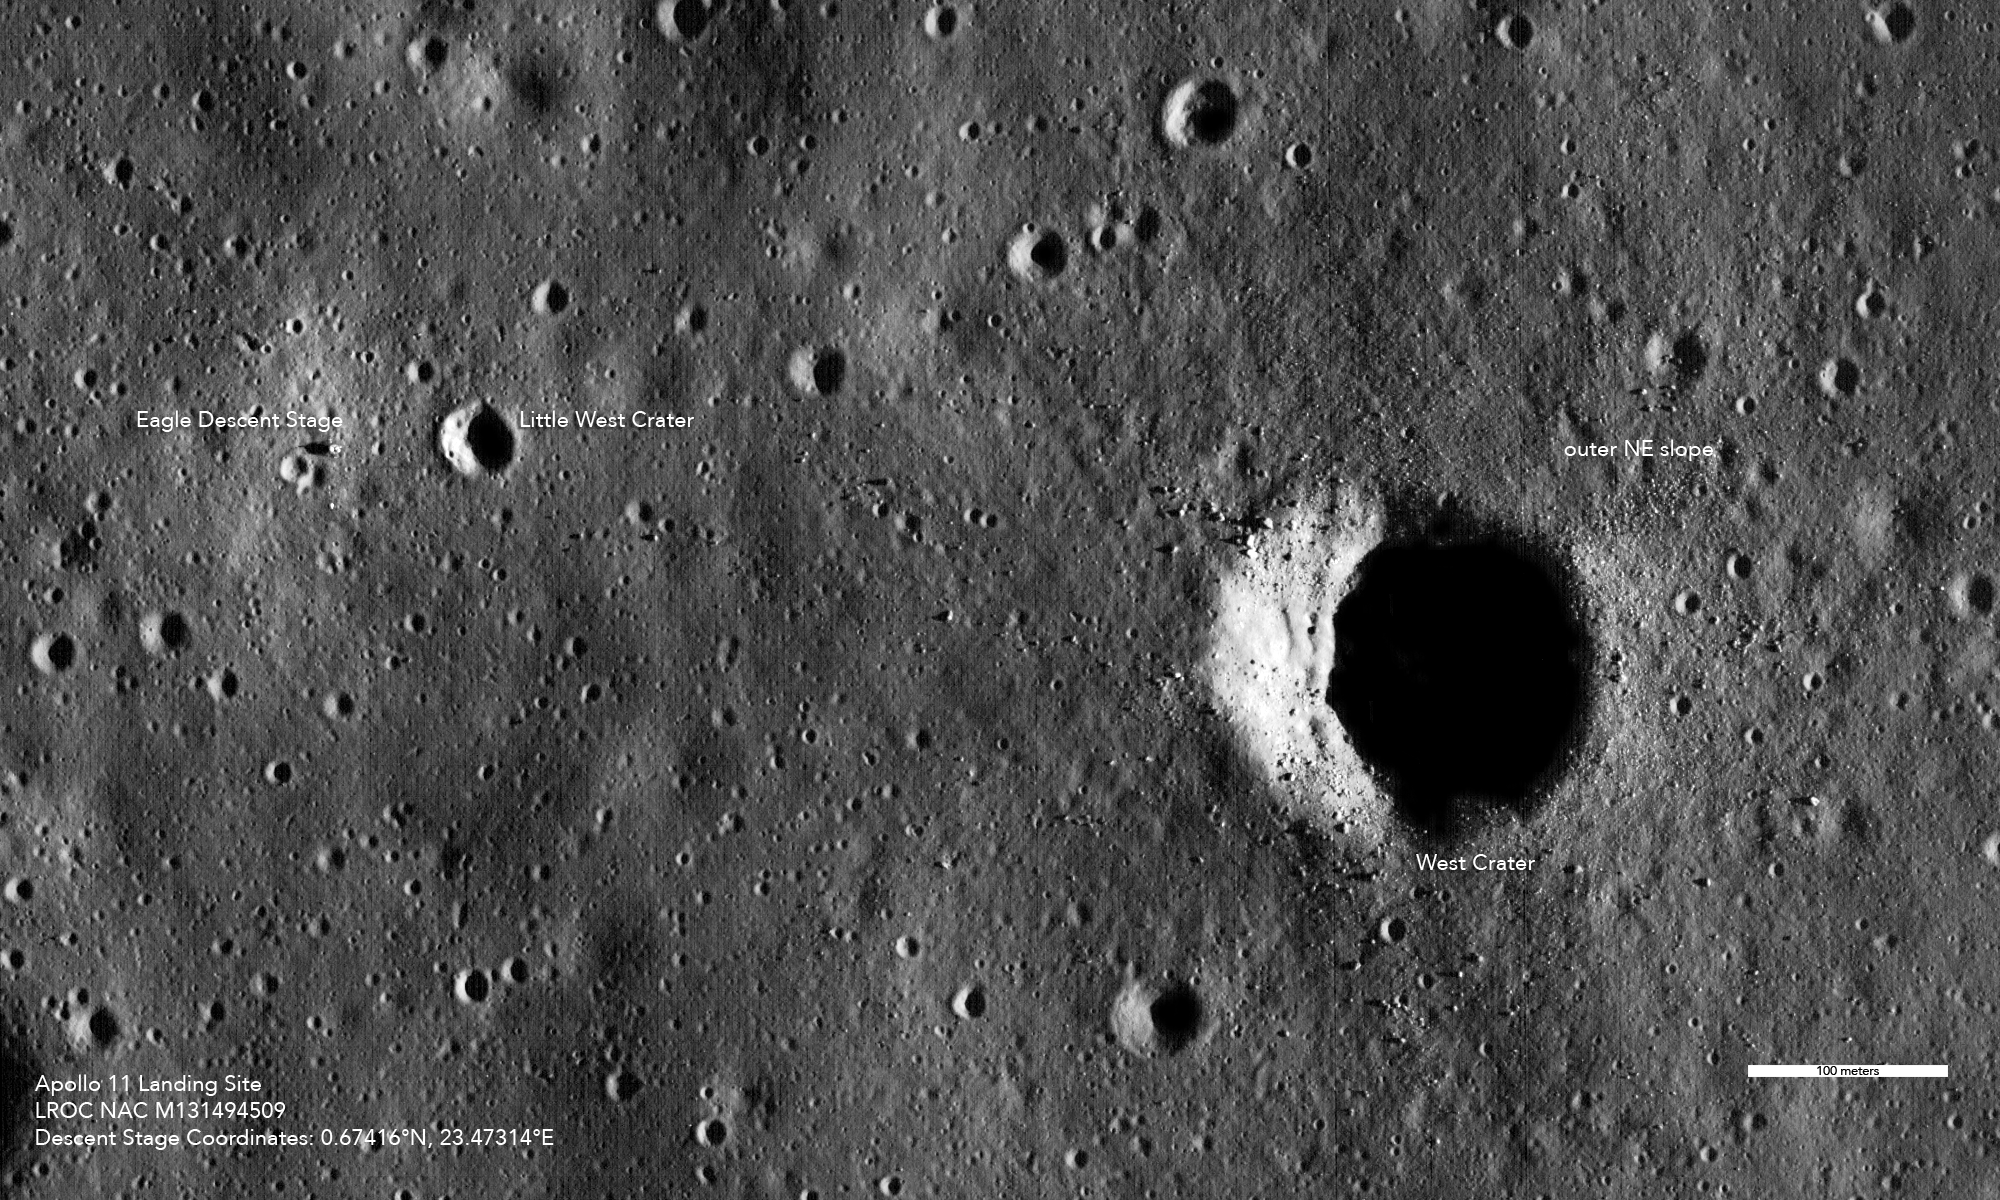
(1458, 676)
(490, 439)
(1176, 1016)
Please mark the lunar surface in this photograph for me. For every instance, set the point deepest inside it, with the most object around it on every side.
(755, 598)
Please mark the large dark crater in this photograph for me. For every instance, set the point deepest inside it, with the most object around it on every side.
(1459, 674)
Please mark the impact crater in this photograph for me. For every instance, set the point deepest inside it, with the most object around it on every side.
(1458, 675)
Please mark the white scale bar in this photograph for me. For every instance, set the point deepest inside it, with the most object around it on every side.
(1850, 1071)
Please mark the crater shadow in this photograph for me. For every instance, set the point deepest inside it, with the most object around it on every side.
(1459, 675)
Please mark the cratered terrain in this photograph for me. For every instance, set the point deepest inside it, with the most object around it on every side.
(814, 599)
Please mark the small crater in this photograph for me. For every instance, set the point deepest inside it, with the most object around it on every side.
(53, 653)
(1515, 31)
(941, 22)
(427, 54)
(1971, 594)
(477, 440)
(1200, 112)
(621, 1085)
(969, 1002)
(102, 1028)
(1037, 255)
(550, 298)
(222, 684)
(1839, 377)
(163, 632)
(1679, 356)
(1979, 595)
(1157, 1018)
(686, 20)
(1690, 354)
(818, 370)
(472, 986)
(1893, 23)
